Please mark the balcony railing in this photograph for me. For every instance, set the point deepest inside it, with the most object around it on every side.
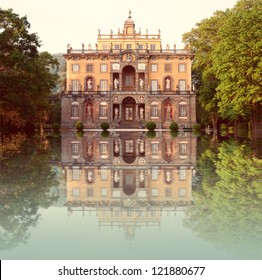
(107, 92)
(139, 51)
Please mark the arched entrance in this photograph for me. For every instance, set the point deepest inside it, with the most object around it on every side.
(129, 78)
(129, 109)
(129, 181)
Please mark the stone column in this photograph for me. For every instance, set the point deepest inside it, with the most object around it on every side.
(146, 81)
(120, 82)
(137, 82)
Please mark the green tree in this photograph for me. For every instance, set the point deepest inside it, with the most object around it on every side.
(25, 77)
(237, 61)
(202, 40)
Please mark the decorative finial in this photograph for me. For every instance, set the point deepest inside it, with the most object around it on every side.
(129, 13)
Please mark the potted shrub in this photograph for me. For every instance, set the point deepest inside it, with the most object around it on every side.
(173, 126)
(79, 126)
(151, 126)
(104, 125)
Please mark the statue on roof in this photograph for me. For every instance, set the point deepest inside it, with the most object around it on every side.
(129, 13)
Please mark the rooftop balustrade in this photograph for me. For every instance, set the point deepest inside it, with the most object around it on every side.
(139, 51)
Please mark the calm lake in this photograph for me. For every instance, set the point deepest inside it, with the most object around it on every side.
(130, 195)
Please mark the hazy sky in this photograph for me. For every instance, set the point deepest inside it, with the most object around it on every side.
(59, 22)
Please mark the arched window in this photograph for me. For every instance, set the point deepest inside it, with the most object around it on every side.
(182, 109)
(75, 109)
(103, 110)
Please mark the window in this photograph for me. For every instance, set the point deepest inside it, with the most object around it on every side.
(115, 66)
(154, 68)
(75, 192)
(168, 192)
(182, 110)
(103, 174)
(104, 47)
(103, 192)
(117, 47)
(182, 85)
(75, 149)
(154, 110)
(103, 68)
(129, 46)
(102, 111)
(182, 148)
(154, 192)
(181, 67)
(75, 67)
(182, 192)
(129, 180)
(154, 85)
(129, 146)
(154, 149)
(90, 191)
(140, 47)
(75, 174)
(103, 85)
(89, 68)
(103, 148)
(74, 110)
(75, 85)
(152, 47)
(182, 175)
(129, 113)
(154, 174)
(168, 67)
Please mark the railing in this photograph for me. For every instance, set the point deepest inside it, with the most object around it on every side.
(108, 92)
(139, 51)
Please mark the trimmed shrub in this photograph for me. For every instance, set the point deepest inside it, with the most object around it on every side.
(151, 126)
(105, 134)
(151, 134)
(173, 126)
(173, 133)
(197, 126)
(79, 126)
(79, 134)
(104, 125)
(197, 133)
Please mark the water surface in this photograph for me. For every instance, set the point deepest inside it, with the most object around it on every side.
(130, 196)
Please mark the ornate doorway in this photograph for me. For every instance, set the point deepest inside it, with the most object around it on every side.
(129, 78)
(129, 109)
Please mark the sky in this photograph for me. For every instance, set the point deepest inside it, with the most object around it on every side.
(59, 22)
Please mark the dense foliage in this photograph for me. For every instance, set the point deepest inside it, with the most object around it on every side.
(227, 66)
(228, 199)
(28, 183)
(25, 77)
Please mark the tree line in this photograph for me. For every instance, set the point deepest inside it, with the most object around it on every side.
(227, 65)
(26, 76)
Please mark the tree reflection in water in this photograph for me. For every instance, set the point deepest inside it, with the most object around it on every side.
(26, 176)
(228, 197)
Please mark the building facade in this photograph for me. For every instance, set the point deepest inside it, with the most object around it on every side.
(127, 80)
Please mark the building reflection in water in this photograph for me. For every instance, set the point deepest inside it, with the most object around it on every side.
(128, 179)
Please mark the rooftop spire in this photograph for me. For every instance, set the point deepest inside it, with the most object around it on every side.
(129, 13)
